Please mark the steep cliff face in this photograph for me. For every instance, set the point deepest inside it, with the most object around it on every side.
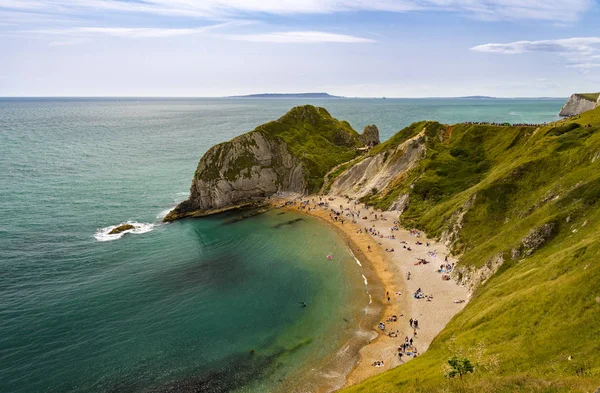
(377, 172)
(579, 103)
(291, 154)
(520, 206)
(242, 171)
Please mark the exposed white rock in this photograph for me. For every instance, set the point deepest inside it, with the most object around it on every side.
(379, 171)
(577, 104)
(246, 169)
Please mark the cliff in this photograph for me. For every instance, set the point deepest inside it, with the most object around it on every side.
(378, 171)
(520, 206)
(291, 154)
(579, 103)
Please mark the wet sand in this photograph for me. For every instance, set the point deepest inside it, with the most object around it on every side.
(392, 269)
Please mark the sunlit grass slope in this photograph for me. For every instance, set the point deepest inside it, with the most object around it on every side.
(318, 139)
(535, 325)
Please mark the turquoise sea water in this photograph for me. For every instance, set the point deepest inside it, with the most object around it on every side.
(180, 306)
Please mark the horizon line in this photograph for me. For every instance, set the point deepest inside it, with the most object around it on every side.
(323, 98)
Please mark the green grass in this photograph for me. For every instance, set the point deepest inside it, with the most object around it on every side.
(535, 325)
(311, 135)
(316, 138)
(589, 96)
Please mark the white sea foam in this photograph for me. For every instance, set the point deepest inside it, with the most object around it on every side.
(370, 298)
(355, 258)
(164, 213)
(102, 234)
(364, 278)
(513, 113)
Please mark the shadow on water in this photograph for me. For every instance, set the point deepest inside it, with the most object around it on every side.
(291, 222)
(222, 271)
(234, 372)
(231, 374)
(237, 372)
(248, 213)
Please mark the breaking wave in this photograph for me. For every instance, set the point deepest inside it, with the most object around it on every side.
(102, 234)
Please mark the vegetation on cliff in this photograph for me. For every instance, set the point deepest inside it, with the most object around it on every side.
(316, 138)
(589, 96)
(291, 154)
(521, 206)
(310, 134)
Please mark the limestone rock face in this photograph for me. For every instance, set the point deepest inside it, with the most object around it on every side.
(379, 171)
(239, 172)
(535, 239)
(370, 135)
(576, 105)
(289, 155)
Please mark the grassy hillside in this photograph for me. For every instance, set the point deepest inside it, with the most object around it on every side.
(314, 136)
(530, 197)
(590, 96)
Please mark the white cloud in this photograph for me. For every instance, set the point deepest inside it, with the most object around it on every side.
(581, 53)
(299, 37)
(75, 35)
(580, 44)
(549, 10)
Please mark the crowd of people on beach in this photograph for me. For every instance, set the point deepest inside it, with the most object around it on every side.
(505, 124)
(361, 214)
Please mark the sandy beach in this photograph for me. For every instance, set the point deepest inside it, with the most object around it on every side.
(374, 234)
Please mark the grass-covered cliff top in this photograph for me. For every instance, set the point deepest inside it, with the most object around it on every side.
(535, 325)
(589, 96)
(316, 138)
(311, 135)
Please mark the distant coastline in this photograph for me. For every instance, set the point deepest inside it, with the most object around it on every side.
(288, 95)
(477, 98)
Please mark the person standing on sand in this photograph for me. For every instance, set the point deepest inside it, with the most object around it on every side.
(410, 321)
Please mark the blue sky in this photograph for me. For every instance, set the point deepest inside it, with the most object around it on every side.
(367, 48)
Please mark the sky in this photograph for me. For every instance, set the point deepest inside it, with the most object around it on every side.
(354, 48)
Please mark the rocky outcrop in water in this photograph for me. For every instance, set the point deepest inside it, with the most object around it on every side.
(121, 228)
(579, 103)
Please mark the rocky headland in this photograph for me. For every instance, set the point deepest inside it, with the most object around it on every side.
(518, 207)
(288, 155)
(579, 103)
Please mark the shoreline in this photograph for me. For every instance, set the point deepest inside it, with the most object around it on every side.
(390, 270)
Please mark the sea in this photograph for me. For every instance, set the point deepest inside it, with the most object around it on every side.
(213, 305)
